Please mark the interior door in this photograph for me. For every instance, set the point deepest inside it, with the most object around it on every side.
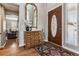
(55, 25)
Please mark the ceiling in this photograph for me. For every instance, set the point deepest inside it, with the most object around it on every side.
(11, 7)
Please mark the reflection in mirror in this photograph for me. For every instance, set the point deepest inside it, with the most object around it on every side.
(31, 15)
(54, 26)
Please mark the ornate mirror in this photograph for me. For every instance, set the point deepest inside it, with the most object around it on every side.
(31, 15)
(54, 26)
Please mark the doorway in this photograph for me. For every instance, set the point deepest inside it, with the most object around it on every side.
(12, 19)
(11, 26)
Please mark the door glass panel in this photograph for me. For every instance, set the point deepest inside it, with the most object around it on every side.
(54, 26)
(71, 24)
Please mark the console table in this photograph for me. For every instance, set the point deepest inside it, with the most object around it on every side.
(32, 38)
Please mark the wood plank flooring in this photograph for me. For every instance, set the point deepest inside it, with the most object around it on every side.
(12, 49)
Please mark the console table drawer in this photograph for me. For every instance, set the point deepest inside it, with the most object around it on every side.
(32, 38)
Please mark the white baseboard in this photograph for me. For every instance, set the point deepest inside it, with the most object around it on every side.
(21, 45)
(67, 48)
(70, 49)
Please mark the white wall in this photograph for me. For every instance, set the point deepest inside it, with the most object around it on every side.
(21, 24)
(51, 6)
(42, 19)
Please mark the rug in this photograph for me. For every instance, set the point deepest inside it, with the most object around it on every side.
(48, 49)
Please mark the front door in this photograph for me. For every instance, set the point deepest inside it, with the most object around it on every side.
(55, 25)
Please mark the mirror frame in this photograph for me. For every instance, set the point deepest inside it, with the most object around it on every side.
(36, 13)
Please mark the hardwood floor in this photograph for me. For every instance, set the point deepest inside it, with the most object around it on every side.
(12, 49)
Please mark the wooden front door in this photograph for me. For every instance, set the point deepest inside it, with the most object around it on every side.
(56, 36)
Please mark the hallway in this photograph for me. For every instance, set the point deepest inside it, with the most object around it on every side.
(11, 49)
